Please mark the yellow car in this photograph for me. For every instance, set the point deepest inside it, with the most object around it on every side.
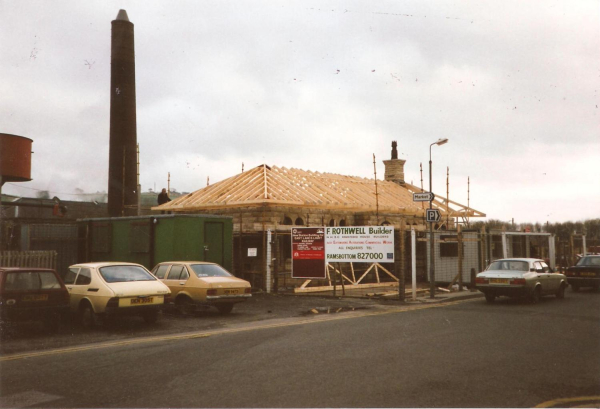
(100, 290)
(198, 283)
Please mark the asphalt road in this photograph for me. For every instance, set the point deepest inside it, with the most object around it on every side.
(464, 354)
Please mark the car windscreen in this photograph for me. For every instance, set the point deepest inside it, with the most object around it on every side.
(589, 261)
(209, 270)
(23, 281)
(120, 274)
(509, 265)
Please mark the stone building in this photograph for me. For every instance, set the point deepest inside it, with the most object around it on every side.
(269, 200)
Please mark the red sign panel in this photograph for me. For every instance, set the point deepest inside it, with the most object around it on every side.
(308, 252)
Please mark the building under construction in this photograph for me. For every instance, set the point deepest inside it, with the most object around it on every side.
(267, 201)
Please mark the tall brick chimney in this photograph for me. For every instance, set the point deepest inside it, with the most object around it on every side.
(394, 167)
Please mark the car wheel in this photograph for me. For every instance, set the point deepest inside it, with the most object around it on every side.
(150, 317)
(536, 295)
(561, 292)
(489, 297)
(184, 305)
(225, 308)
(87, 317)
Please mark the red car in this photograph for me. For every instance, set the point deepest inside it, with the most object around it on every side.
(32, 294)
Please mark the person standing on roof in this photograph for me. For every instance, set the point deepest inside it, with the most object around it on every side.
(163, 197)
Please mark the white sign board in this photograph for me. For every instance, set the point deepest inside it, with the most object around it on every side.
(252, 252)
(423, 197)
(365, 244)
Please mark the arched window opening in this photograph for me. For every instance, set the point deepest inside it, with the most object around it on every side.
(299, 222)
(287, 221)
(342, 222)
(332, 222)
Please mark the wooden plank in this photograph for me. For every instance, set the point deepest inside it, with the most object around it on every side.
(387, 272)
(348, 287)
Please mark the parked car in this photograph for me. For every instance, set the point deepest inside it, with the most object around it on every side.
(32, 294)
(586, 273)
(200, 284)
(102, 290)
(520, 277)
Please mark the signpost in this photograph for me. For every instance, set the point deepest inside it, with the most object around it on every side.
(423, 197)
(433, 215)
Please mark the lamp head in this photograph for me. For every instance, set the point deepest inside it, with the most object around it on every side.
(441, 141)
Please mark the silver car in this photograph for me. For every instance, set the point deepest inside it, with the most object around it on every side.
(520, 277)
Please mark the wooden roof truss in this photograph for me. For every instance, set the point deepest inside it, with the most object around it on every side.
(264, 185)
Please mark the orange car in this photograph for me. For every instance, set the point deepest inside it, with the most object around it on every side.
(198, 283)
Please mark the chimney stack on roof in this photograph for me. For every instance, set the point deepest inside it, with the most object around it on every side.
(394, 167)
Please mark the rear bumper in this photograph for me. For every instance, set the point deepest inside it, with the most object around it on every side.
(512, 291)
(138, 310)
(219, 299)
(583, 281)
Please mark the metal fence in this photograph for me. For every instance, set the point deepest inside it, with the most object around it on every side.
(41, 259)
(61, 238)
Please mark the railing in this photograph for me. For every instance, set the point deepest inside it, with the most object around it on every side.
(42, 259)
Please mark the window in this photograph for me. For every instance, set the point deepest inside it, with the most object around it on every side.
(331, 222)
(342, 222)
(119, 274)
(287, 221)
(84, 277)
(175, 273)
(24, 281)
(161, 271)
(48, 281)
(70, 276)
(538, 267)
(209, 270)
(299, 222)
(449, 246)
(184, 274)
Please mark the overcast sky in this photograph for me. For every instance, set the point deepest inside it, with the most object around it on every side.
(320, 86)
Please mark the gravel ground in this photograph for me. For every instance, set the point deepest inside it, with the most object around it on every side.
(32, 337)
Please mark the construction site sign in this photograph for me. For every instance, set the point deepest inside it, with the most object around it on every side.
(363, 244)
(308, 252)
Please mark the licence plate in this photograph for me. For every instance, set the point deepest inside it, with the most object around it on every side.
(228, 292)
(499, 281)
(588, 274)
(145, 300)
(35, 297)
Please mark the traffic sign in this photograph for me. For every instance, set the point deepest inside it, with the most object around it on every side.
(423, 197)
(433, 215)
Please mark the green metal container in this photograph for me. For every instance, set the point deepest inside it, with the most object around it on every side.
(149, 240)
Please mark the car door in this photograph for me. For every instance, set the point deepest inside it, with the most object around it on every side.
(69, 281)
(173, 279)
(553, 277)
(81, 287)
(542, 277)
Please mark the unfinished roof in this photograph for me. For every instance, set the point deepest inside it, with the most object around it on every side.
(277, 186)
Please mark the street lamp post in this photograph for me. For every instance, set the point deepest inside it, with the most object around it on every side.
(440, 141)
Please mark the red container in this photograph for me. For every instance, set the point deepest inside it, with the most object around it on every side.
(15, 158)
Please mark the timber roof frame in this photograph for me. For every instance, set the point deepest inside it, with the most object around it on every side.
(280, 186)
